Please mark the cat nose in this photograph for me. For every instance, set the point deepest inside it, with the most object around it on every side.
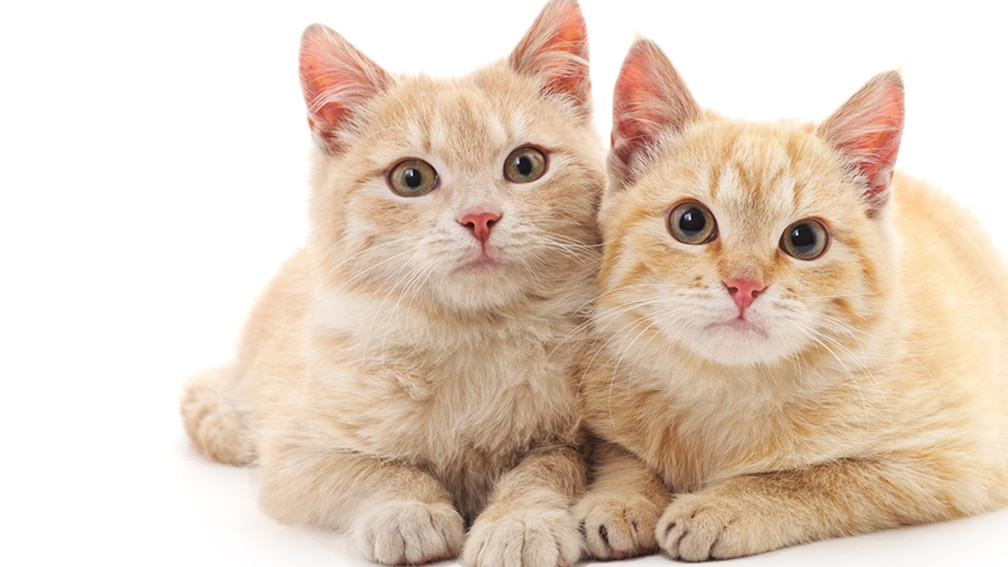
(744, 292)
(479, 224)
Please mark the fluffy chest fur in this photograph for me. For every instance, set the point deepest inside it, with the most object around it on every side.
(695, 425)
(445, 387)
(461, 397)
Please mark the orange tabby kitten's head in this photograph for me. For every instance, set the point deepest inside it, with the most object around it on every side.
(745, 243)
(460, 194)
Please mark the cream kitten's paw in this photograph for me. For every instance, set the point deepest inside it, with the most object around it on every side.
(410, 532)
(524, 538)
(698, 527)
(618, 526)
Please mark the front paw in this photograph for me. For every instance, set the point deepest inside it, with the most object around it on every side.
(618, 527)
(525, 538)
(410, 532)
(698, 527)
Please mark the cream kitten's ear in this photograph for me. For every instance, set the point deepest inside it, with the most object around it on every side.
(336, 79)
(867, 131)
(650, 100)
(555, 49)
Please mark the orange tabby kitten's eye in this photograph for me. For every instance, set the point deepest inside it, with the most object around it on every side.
(805, 240)
(412, 178)
(525, 165)
(692, 223)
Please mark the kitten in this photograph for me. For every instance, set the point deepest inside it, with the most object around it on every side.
(411, 372)
(795, 342)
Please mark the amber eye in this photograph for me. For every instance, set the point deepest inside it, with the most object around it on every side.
(805, 240)
(692, 223)
(525, 165)
(412, 178)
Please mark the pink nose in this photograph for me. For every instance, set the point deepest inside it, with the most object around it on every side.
(479, 224)
(744, 292)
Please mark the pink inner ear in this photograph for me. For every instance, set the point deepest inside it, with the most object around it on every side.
(336, 79)
(650, 99)
(867, 129)
(555, 49)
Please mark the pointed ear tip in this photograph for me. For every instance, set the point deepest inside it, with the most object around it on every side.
(645, 51)
(892, 76)
(568, 7)
(312, 31)
(572, 18)
(316, 38)
(565, 12)
(642, 44)
(890, 81)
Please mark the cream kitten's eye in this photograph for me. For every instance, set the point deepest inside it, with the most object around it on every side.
(692, 223)
(412, 178)
(805, 240)
(525, 165)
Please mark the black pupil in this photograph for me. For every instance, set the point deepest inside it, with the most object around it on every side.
(524, 166)
(413, 177)
(803, 238)
(692, 222)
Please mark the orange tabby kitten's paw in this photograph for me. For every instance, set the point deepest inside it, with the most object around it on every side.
(398, 533)
(524, 538)
(698, 527)
(618, 527)
(214, 426)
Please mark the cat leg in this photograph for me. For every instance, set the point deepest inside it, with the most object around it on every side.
(619, 513)
(527, 522)
(395, 513)
(212, 419)
(752, 514)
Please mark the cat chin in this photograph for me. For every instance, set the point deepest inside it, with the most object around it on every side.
(480, 287)
(740, 343)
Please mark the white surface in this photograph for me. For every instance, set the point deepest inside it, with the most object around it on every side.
(152, 178)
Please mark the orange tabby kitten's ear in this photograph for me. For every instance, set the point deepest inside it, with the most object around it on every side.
(867, 130)
(555, 49)
(336, 78)
(650, 100)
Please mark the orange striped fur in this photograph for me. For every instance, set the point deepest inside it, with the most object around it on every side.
(863, 389)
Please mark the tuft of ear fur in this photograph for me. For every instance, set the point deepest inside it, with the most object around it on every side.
(555, 50)
(650, 100)
(867, 131)
(336, 80)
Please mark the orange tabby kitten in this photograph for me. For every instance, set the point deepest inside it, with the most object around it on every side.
(411, 371)
(795, 343)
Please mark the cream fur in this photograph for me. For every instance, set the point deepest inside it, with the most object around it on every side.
(386, 385)
(866, 389)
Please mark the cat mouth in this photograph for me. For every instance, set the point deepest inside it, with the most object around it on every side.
(741, 327)
(483, 262)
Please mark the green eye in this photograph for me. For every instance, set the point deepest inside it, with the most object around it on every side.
(805, 240)
(692, 223)
(412, 178)
(525, 165)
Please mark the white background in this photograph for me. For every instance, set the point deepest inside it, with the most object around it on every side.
(152, 167)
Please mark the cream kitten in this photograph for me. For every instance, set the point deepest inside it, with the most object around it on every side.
(794, 342)
(411, 372)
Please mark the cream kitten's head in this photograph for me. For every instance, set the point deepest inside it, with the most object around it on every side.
(463, 194)
(745, 243)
